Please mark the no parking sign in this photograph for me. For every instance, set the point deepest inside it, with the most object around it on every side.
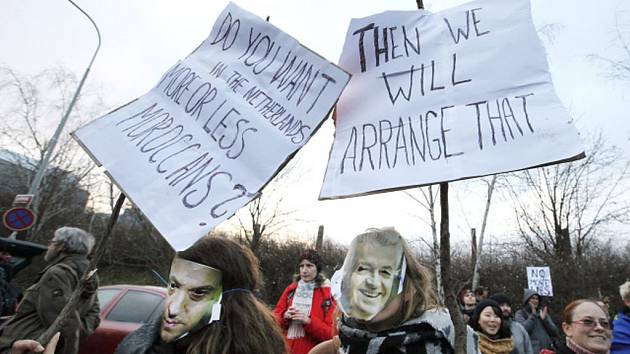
(18, 219)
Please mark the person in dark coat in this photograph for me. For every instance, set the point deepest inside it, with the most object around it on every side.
(537, 321)
(43, 301)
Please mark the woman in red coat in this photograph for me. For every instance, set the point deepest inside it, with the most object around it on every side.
(305, 309)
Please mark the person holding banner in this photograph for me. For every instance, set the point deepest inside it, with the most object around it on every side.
(305, 309)
(537, 321)
(494, 334)
(387, 303)
(211, 307)
(67, 258)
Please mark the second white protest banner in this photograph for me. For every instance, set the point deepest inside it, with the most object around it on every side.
(439, 97)
(539, 280)
(217, 127)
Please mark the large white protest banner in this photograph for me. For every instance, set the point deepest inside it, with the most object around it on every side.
(539, 279)
(439, 97)
(217, 127)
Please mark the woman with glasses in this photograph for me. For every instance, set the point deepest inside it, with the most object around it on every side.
(586, 328)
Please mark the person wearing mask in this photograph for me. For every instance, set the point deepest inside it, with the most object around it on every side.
(386, 302)
(621, 325)
(537, 321)
(522, 344)
(586, 328)
(210, 306)
(494, 333)
(305, 309)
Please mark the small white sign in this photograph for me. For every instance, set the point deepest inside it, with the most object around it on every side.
(444, 96)
(217, 126)
(23, 200)
(539, 279)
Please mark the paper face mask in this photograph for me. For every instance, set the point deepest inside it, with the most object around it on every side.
(371, 277)
(193, 301)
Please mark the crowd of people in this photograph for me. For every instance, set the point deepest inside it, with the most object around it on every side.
(380, 301)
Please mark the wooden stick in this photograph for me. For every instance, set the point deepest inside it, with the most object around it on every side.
(445, 256)
(75, 299)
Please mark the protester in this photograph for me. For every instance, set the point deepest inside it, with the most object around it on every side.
(210, 307)
(43, 301)
(467, 301)
(520, 338)
(603, 303)
(537, 321)
(386, 302)
(481, 293)
(305, 309)
(494, 333)
(586, 328)
(621, 325)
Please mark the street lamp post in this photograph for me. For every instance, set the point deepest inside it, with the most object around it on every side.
(43, 165)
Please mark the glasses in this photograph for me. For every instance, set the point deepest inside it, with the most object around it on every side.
(591, 323)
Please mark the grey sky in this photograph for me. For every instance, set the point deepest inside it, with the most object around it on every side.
(141, 39)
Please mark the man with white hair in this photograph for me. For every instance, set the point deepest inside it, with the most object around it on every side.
(621, 325)
(43, 301)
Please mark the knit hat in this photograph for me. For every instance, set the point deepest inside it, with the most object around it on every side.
(311, 256)
(482, 305)
(504, 330)
(501, 298)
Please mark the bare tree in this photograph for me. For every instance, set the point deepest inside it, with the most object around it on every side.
(479, 246)
(269, 212)
(428, 202)
(618, 65)
(562, 208)
(30, 108)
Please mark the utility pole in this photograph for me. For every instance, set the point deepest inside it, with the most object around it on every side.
(477, 267)
(320, 238)
(50, 147)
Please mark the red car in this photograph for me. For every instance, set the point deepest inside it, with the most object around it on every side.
(124, 308)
